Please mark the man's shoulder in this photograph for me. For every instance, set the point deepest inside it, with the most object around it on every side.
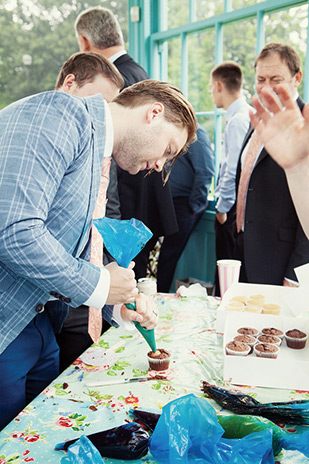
(130, 70)
(43, 105)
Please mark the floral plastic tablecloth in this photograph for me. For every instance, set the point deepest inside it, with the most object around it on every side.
(69, 408)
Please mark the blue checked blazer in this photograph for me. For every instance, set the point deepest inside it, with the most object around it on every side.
(51, 154)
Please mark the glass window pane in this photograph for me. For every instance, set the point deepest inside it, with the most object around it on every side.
(201, 57)
(205, 8)
(178, 13)
(290, 27)
(242, 51)
(174, 62)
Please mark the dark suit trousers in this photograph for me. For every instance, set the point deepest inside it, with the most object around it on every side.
(239, 254)
(173, 245)
(27, 366)
(74, 339)
(225, 241)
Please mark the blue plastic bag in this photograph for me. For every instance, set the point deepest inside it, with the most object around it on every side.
(188, 432)
(82, 452)
(123, 239)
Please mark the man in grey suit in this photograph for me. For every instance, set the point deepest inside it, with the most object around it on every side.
(52, 147)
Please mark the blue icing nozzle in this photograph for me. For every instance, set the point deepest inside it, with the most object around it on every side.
(148, 335)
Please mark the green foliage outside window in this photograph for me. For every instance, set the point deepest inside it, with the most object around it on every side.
(44, 31)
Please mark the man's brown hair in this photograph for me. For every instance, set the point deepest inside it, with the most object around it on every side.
(86, 66)
(230, 74)
(287, 54)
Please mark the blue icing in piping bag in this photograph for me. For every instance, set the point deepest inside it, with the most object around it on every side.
(124, 239)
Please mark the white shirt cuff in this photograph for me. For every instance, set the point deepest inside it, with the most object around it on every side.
(127, 325)
(294, 282)
(100, 294)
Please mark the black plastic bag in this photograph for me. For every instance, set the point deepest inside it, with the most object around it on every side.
(128, 441)
(289, 412)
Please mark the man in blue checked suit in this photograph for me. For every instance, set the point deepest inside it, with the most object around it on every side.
(51, 153)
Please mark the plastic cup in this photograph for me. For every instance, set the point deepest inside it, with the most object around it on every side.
(228, 270)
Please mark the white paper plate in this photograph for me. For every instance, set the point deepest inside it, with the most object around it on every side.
(98, 357)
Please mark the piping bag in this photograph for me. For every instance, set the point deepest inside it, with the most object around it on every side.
(124, 239)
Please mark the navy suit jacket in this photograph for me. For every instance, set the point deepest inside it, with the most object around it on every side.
(274, 242)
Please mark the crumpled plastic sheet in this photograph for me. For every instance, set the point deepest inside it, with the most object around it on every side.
(188, 432)
(82, 452)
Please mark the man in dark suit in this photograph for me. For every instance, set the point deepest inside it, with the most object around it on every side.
(142, 196)
(190, 179)
(270, 241)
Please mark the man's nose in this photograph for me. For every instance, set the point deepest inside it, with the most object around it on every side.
(158, 166)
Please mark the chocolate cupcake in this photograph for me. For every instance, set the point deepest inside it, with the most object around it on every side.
(296, 339)
(266, 350)
(237, 348)
(269, 339)
(273, 331)
(248, 339)
(248, 331)
(160, 360)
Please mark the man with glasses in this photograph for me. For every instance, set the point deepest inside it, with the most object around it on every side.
(270, 241)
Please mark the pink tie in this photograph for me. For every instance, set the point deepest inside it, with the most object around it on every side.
(96, 250)
(254, 145)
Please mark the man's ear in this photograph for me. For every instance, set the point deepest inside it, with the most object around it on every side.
(154, 112)
(84, 44)
(298, 77)
(69, 83)
(219, 86)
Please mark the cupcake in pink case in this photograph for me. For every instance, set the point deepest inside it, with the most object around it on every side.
(266, 350)
(296, 339)
(237, 348)
(269, 339)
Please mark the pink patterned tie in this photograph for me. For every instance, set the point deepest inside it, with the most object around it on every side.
(254, 145)
(96, 250)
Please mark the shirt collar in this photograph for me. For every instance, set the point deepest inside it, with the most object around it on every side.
(109, 140)
(117, 55)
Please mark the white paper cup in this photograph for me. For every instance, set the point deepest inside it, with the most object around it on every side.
(228, 270)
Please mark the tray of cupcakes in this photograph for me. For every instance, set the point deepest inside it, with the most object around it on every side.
(253, 299)
(271, 351)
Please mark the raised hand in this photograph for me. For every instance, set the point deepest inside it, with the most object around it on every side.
(284, 130)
